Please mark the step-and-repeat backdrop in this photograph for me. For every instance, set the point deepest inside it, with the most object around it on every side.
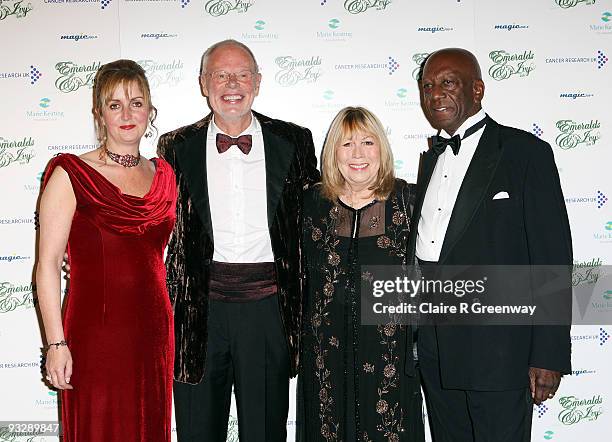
(545, 64)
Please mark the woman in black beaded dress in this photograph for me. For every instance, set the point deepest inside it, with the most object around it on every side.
(357, 382)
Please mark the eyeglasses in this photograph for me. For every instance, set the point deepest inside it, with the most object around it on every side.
(224, 77)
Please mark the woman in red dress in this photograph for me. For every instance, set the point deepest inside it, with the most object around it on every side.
(112, 355)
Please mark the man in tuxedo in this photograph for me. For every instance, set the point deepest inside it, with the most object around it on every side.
(484, 191)
(234, 259)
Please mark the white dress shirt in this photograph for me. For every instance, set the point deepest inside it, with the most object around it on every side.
(238, 200)
(443, 189)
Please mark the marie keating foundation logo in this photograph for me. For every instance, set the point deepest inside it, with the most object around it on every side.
(259, 36)
(163, 74)
(73, 77)
(418, 59)
(16, 9)
(506, 65)
(45, 111)
(359, 6)
(297, 70)
(573, 134)
(606, 26)
(16, 296)
(217, 8)
(16, 152)
(576, 410)
(333, 33)
(565, 4)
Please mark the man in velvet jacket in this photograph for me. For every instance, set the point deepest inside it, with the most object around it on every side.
(234, 259)
(493, 199)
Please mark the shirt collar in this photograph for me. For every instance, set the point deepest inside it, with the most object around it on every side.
(466, 124)
(251, 130)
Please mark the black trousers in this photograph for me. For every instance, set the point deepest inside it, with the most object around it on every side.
(469, 415)
(246, 349)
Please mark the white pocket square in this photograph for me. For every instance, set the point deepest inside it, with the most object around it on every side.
(501, 196)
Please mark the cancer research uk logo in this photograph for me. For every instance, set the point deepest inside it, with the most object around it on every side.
(297, 70)
(576, 410)
(506, 65)
(600, 199)
(74, 76)
(16, 152)
(16, 9)
(359, 6)
(565, 4)
(217, 8)
(600, 60)
(163, 74)
(16, 296)
(573, 134)
(390, 66)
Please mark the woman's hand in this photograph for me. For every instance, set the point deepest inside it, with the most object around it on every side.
(59, 367)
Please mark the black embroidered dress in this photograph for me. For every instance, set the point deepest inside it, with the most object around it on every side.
(353, 385)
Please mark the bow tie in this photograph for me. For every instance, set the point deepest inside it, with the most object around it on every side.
(244, 143)
(439, 144)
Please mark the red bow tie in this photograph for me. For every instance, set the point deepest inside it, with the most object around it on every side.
(244, 143)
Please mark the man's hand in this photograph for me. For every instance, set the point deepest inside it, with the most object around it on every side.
(544, 384)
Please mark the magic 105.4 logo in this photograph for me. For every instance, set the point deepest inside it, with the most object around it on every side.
(16, 9)
(217, 8)
(573, 134)
(565, 4)
(506, 64)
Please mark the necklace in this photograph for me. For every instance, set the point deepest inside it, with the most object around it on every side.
(126, 160)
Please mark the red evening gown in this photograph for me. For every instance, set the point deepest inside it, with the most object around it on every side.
(118, 319)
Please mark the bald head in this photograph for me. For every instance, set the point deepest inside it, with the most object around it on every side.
(451, 88)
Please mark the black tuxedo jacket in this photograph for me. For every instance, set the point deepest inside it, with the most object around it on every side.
(291, 166)
(528, 228)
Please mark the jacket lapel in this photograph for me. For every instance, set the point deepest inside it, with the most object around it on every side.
(192, 158)
(279, 155)
(475, 184)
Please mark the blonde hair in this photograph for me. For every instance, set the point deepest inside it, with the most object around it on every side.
(108, 77)
(348, 121)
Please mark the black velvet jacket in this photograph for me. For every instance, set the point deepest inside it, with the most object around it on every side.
(291, 166)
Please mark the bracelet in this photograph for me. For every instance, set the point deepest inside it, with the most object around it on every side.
(57, 344)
